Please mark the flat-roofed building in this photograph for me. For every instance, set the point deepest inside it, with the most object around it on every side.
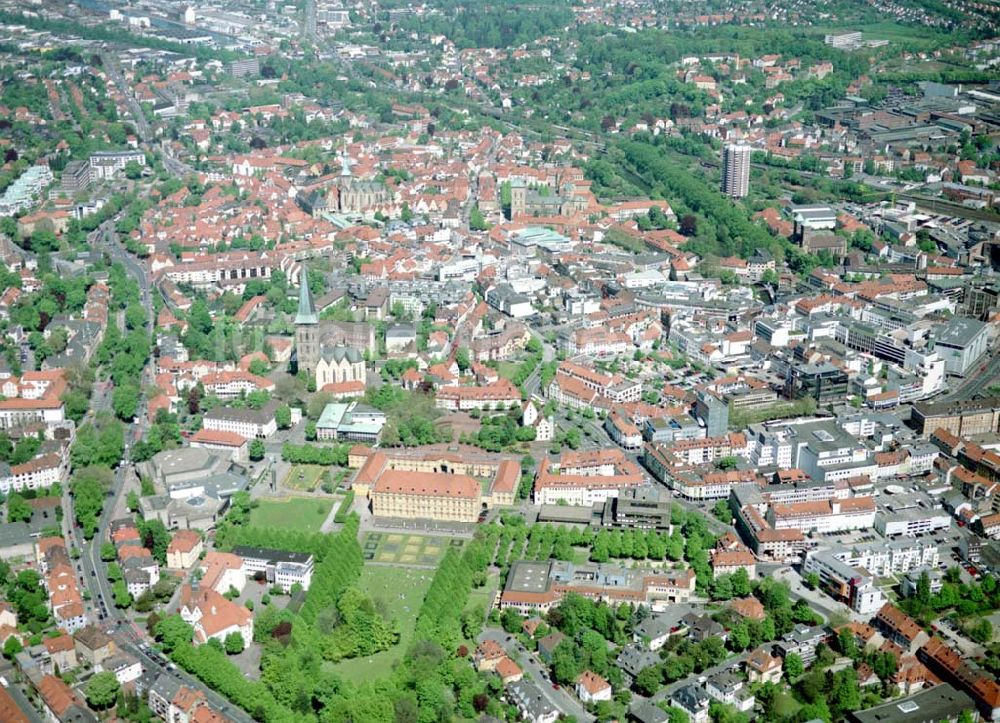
(279, 567)
(961, 418)
(960, 341)
(537, 587)
(643, 508)
(352, 421)
(939, 703)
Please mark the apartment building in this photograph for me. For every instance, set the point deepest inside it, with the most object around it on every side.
(945, 662)
(586, 478)
(899, 628)
(596, 341)
(769, 544)
(615, 387)
(184, 549)
(228, 385)
(962, 418)
(37, 473)
(844, 582)
(105, 165)
(622, 430)
(32, 397)
(244, 421)
(231, 269)
(499, 395)
(222, 572)
(827, 516)
(173, 702)
(662, 459)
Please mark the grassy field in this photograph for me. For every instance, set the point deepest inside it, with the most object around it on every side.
(405, 549)
(785, 705)
(294, 513)
(507, 369)
(483, 596)
(401, 591)
(886, 30)
(304, 477)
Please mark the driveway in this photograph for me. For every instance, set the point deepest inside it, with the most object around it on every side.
(825, 606)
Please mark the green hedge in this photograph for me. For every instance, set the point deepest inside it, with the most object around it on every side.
(345, 508)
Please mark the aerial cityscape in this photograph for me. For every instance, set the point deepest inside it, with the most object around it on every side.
(413, 362)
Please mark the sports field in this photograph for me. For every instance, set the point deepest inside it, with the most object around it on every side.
(293, 513)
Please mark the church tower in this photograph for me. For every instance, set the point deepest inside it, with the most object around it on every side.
(306, 328)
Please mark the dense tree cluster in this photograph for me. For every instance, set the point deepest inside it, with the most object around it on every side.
(98, 442)
(354, 627)
(164, 433)
(499, 432)
(29, 598)
(471, 25)
(88, 486)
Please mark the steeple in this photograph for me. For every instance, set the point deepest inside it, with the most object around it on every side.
(307, 312)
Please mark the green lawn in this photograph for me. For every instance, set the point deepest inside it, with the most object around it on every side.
(507, 369)
(785, 705)
(483, 596)
(886, 30)
(402, 592)
(295, 513)
(304, 477)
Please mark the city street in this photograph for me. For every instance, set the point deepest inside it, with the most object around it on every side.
(533, 669)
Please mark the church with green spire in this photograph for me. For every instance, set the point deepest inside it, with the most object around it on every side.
(331, 352)
(306, 328)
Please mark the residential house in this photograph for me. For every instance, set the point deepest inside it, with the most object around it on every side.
(184, 549)
(93, 645)
(762, 667)
(590, 687)
(693, 700)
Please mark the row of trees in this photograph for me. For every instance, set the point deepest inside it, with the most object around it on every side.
(440, 618)
(315, 454)
(89, 486)
(339, 569)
